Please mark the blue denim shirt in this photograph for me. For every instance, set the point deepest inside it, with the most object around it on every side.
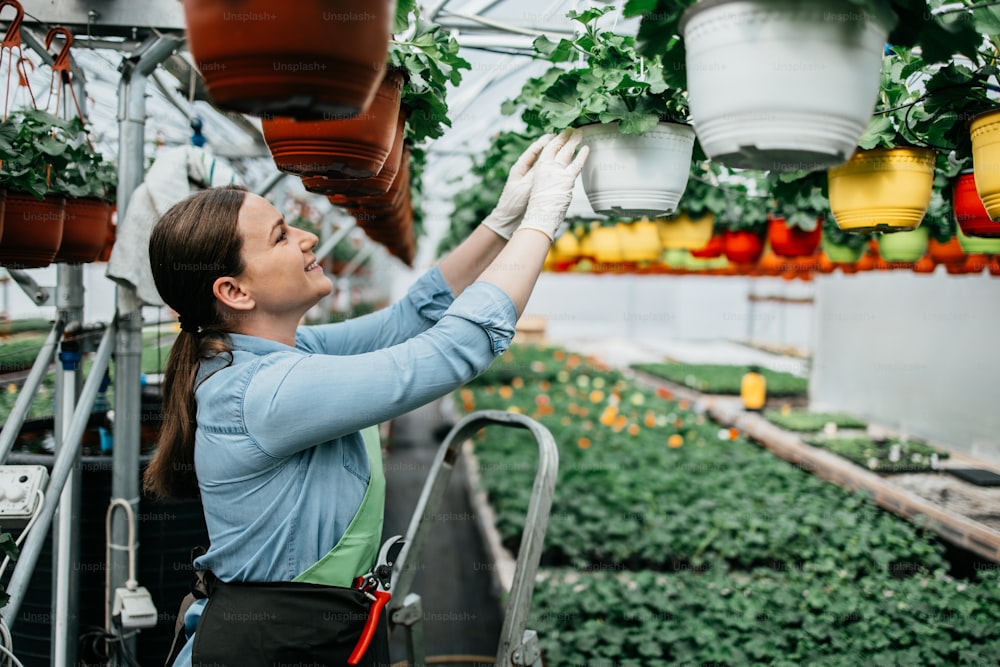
(280, 460)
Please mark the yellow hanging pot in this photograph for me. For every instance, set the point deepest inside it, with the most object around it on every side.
(563, 252)
(985, 133)
(684, 232)
(884, 189)
(603, 245)
(640, 241)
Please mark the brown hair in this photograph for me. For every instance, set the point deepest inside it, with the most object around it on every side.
(193, 244)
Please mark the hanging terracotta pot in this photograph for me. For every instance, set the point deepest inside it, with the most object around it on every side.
(824, 265)
(975, 263)
(771, 264)
(630, 175)
(352, 148)
(994, 266)
(711, 250)
(925, 264)
(946, 253)
(985, 133)
(307, 59)
(32, 230)
(85, 230)
(792, 241)
(780, 85)
(363, 187)
(742, 247)
(903, 246)
(884, 189)
(865, 263)
(391, 198)
(970, 213)
(110, 235)
(682, 231)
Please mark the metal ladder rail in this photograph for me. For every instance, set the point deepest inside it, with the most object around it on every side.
(518, 646)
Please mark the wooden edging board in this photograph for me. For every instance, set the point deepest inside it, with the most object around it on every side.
(728, 411)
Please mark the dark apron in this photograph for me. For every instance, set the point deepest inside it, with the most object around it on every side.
(314, 620)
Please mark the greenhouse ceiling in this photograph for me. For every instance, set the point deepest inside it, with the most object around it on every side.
(495, 38)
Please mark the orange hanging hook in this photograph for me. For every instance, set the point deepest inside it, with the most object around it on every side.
(61, 63)
(22, 77)
(12, 37)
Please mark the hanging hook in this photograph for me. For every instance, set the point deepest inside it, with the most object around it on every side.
(12, 38)
(61, 63)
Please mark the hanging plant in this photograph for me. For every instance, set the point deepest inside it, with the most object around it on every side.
(43, 161)
(886, 185)
(703, 202)
(633, 122)
(427, 54)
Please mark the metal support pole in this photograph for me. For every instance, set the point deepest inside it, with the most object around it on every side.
(337, 237)
(271, 181)
(128, 347)
(64, 461)
(40, 295)
(66, 533)
(28, 390)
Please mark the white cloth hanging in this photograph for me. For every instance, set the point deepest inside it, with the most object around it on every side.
(175, 174)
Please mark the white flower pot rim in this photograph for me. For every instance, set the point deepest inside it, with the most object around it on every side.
(618, 122)
(706, 5)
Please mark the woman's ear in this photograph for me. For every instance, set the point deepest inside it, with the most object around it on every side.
(231, 294)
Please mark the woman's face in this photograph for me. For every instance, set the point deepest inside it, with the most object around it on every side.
(281, 274)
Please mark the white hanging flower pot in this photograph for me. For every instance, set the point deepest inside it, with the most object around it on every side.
(781, 84)
(631, 175)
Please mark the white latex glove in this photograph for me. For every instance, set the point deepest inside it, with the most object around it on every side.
(555, 173)
(506, 217)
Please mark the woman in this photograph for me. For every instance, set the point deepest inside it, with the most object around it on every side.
(272, 423)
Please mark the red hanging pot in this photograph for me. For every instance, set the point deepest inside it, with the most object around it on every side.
(791, 241)
(32, 230)
(85, 230)
(353, 148)
(742, 247)
(710, 251)
(109, 237)
(970, 213)
(300, 58)
(994, 266)
(363, 187)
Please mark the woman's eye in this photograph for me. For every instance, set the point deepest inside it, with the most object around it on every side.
(282, 236)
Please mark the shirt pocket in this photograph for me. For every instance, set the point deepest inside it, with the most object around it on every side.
(356, 458)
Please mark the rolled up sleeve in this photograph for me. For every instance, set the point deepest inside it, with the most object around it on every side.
(299, 400)
(424, 304)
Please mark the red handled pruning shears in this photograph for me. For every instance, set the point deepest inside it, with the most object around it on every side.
(375, 584)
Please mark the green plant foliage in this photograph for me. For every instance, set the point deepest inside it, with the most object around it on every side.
(802, 197)
(702, 196)
(704, 549)
(41, 154)
(722, 379)
(598, 77)
(788, 618)
(884, 456)
(428, 55)
(832, 233)
(901, 68)
(807, 422)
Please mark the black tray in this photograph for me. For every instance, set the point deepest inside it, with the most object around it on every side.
(976, 476)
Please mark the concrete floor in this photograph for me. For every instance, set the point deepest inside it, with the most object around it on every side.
(461, 613)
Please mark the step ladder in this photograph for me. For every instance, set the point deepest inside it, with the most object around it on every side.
(518, 645)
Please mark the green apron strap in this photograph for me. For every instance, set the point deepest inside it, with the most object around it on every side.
(357, 549)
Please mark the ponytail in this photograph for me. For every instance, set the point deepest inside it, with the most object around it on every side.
(193, 244)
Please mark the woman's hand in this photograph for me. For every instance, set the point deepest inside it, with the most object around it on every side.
(506, 217)
(555, 172)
